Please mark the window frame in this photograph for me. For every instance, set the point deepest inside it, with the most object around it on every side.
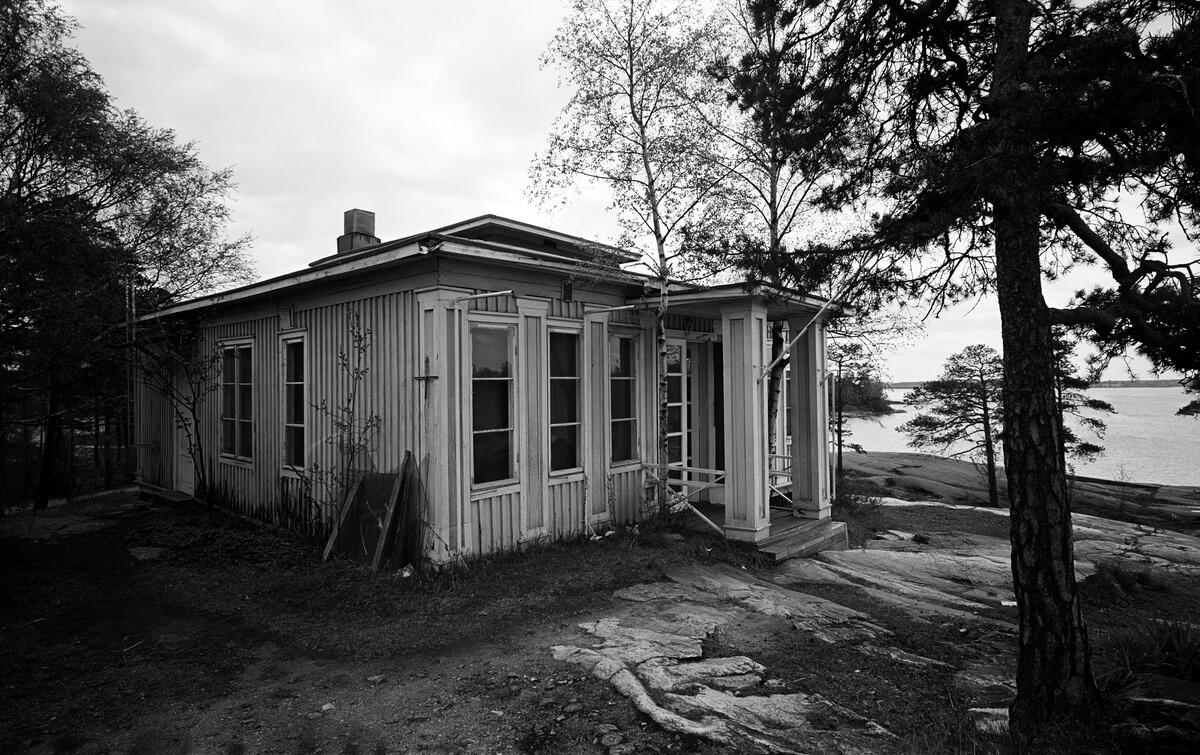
(634, 381)
(237, 346)
(286, 340)
(512, 326)
(580, 403)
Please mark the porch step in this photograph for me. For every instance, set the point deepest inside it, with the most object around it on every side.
(806, 540)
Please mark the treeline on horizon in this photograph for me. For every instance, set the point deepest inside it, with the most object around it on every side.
(1162, 383)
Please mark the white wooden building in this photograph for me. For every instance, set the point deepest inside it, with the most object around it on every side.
(519, 368)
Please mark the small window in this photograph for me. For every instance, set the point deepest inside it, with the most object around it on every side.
(492, 415)
(623, 401)
(294, 403)
(565, 381)
(237, 427)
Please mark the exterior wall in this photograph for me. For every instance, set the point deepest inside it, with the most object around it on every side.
(263, 487)
(417, 381)
(538, 504)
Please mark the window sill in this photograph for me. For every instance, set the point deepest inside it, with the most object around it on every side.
(294, 473)
(557, 474)
(625, 465)
(499, 487)
(237, 461)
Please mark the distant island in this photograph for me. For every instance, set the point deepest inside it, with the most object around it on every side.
(1165, 383)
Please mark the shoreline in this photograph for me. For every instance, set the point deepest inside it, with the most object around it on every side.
(916, 476)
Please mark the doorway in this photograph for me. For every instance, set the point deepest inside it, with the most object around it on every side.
(185, 471)
(680, 389)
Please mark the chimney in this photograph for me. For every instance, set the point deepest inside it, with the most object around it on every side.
(360, 231)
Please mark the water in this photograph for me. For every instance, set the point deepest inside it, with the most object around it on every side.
(1145, 442)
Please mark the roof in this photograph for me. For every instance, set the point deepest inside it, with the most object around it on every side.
(498, 239)
(486, 236)
(781, 302)
(502, 232)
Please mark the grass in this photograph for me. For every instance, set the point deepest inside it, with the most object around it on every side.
(1129, 578)
(1163, 648)
(860, 510)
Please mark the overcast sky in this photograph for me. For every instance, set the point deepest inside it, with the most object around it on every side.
(425, 113)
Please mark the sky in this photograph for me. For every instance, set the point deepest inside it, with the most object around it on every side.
(424, 113)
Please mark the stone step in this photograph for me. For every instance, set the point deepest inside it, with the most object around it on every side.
(806, 540)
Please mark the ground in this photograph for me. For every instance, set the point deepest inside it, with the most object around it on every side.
(139, 627)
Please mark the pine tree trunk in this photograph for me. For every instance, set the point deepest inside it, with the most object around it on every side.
(1054, 678)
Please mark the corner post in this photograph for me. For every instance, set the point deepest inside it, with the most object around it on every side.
(744, 346)
(810, 421)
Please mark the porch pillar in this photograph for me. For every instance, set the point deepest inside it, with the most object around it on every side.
(744, 355)
(810, 421)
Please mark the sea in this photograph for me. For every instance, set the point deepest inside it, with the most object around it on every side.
(1146, 441)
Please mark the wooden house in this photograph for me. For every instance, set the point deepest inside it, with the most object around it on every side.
(518, 365)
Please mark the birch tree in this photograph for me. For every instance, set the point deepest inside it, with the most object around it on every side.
(634, 68)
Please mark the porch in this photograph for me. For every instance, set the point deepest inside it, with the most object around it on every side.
(791, 536)
(720, 458)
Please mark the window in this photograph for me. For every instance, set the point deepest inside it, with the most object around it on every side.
(237, 427)
(294, 403)
(492, 402)
(622, 405)
(565, 380)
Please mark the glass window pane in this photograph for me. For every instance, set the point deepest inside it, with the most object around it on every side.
(490, 352)
(564, 401)
(564, 447)
(245, 439)
(228, 366)
(492, 456)
(243, 364)
(295, 362)
(228, 436)
(564, 359)
(243, 410)
(674, 419)
(623, 445)
(673, 357)
(622, 399)
(674, 449)
(674, 391)
(228, 402)
(620, 357)
(295, 405)
(489, 404)
(294, 446)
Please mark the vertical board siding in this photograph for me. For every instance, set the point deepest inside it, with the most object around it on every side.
(505, 304)
(626, 493)
(566, 508)
(155, 427)
(261, 488)
(570, 309)
(497, 522)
